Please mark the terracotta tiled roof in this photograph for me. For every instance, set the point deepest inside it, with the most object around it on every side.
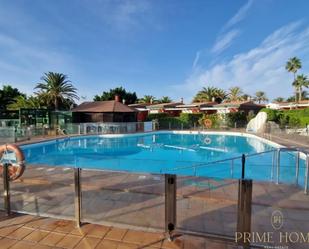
(103, 106)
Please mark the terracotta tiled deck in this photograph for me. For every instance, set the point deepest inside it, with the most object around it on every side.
(26, 231)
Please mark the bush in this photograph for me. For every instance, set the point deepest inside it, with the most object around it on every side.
(272, 115)
(172, 122)
(250, 116)
(292, 118)
(294, 121)
(240, 118)
(190, 118)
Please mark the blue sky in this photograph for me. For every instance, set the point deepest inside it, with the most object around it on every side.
(159, 47)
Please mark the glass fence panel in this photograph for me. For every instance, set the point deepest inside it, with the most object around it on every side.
(207, 205)
(261, 166)
(7, 135)
(281, 210)
(123, 198)
(44, 191)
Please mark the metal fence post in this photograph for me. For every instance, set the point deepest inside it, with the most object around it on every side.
(243, 162)
(278, 165)
(6, 187)
(15, 134)
(169, 126)
(78, 198)
(170, 204)
(244, 210)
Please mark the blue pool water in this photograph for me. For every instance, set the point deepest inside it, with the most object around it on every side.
(163, 152)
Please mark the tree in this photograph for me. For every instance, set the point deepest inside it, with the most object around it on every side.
(300, 82)
(235, 93)
(8, 95)
(165, 99)
(128, 97)
(24, 102)
(260, 97)
(147, 99)
(56, 89)
(292, 65)
(279, 100)
(207, 94)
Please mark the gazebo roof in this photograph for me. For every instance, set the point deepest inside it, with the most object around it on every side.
(103, 106)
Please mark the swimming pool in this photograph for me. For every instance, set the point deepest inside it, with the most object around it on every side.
(184, 153)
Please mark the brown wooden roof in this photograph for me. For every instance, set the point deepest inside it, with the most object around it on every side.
(103, 106)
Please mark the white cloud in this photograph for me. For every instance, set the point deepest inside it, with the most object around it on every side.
(240, 15)
(261, 68)
(196, 59)
(224, 41)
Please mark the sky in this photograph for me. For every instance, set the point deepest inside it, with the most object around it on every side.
(159, 47)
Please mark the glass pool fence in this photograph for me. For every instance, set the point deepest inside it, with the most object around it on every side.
(19, 134)
(216, 205)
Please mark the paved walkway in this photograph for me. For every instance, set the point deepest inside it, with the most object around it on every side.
(26, 231)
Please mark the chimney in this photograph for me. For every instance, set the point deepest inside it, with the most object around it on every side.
(213, 99)
(248, 98)
(124, 101)
(181, 100)
(117, 98)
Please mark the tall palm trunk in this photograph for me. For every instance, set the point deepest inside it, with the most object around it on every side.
(56, 104)
(296, 89)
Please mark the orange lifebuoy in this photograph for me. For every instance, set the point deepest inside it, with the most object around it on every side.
(207, 123)
(15, 169)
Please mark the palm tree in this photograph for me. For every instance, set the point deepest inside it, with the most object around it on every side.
(235, 93)
(208, 94)
(292, 65)
(165, 99)
(260, 97)
(300, 82)
(24, 102)
(147, 99)
(56, 88)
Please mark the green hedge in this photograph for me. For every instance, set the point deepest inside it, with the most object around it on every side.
(292, 118)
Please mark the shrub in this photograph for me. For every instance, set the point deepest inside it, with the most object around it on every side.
(172, 122)
(294, 121)
(240, 118)
(272, 115)
(250, 116)
(190, 118)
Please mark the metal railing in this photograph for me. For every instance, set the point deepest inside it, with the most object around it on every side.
(275, 164)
